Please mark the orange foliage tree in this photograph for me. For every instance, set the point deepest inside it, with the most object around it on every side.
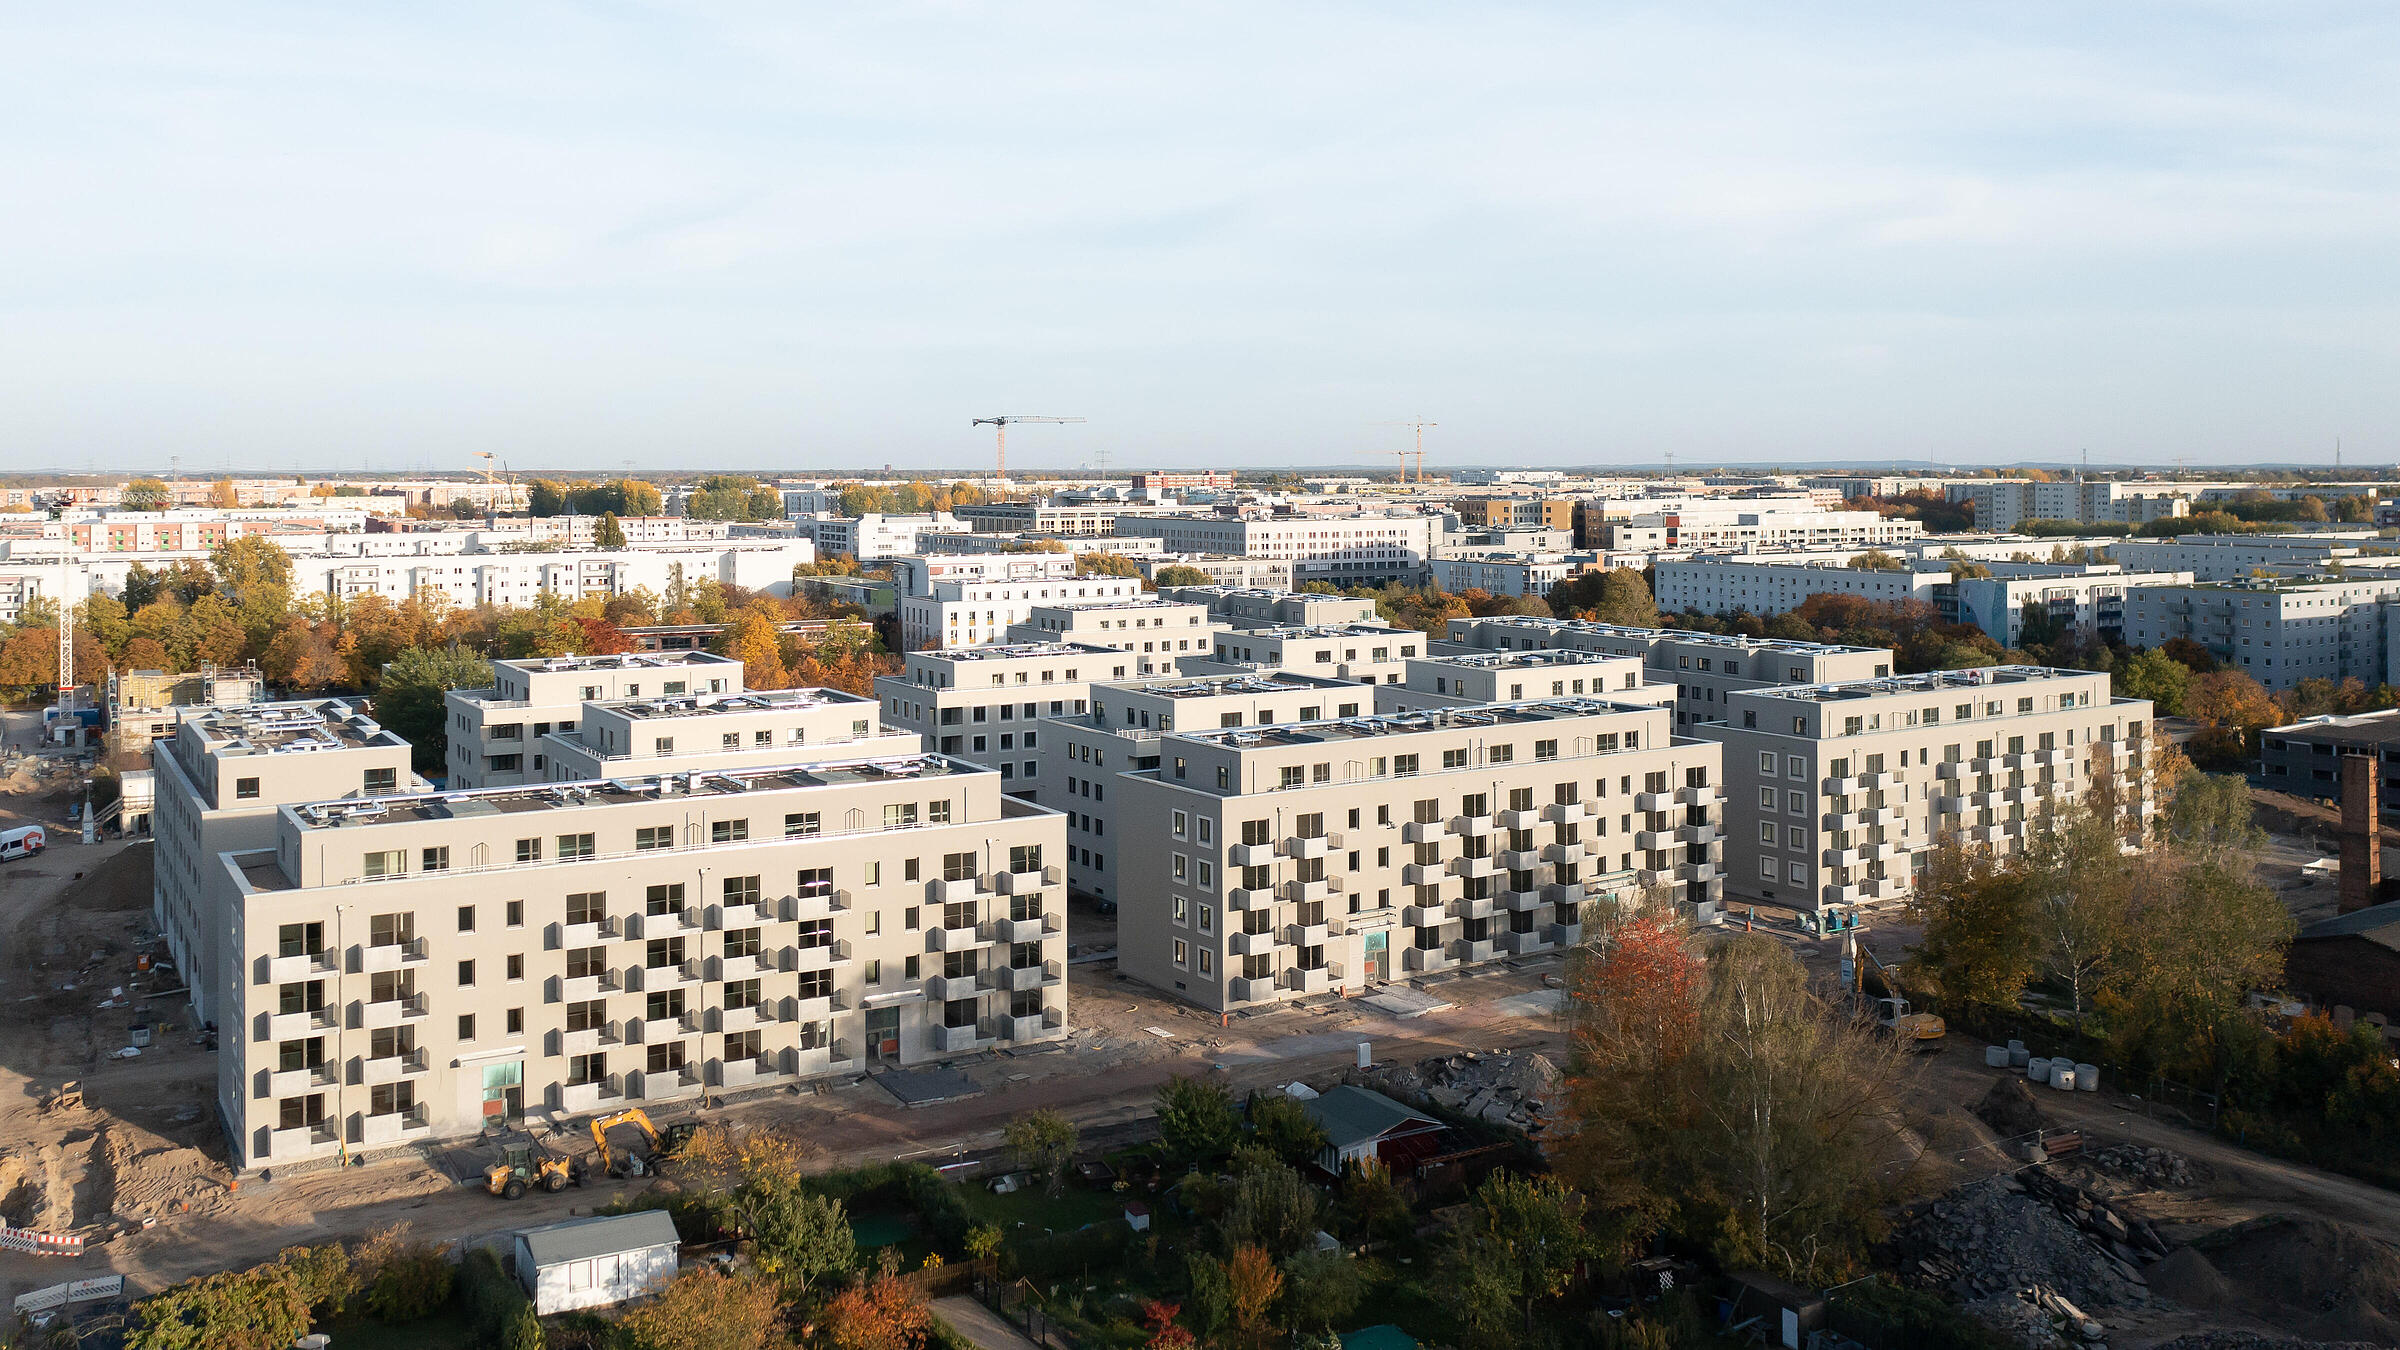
(1251, 1283)
(878, 1313)
(1636, 1006)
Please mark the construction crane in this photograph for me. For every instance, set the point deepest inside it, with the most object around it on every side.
(1418, 426)
(1002, 423)
(491, 494)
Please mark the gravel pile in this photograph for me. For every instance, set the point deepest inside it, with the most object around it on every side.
(2154, 1167)
(1998, 1237)
(2243, 1340)
(1517, 1091)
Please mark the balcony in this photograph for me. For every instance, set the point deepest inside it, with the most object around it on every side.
(1306, 934)
(299, 1142)
(1988, 834)
(1652, 840)
(1948, 805)
(1252, 990)
(770, 1012)
(1699, 834)
(1652, 876)
(390, 956)
(1841, 857)
(1526, 943)
(391, 1068)
(812, 904)
(1308, 892)
(393, 1126)
(1518, 902)
(672, 923)
(581, 988)
(949, 988)
(1700, 874)
(822, 956)
(952, 892)
(1018, 979)
(1013, 931)
(1251, 855)
(1852, 894)
(1565, 813)
(1250, 944)
(302, 966)
(1247, 898)
(742, 1073)
(954, 1040)
(1312, 980)
(1470, 825)
(391, 1012)
(1426, 916)
(1471, 952)
(1424, 874)
(664, 1086)
(1839, 787)
(742, 967)
(589, 934)
(591, 1040)
(1298, 847)
(1520, 820)
(295, 1082)
(1695, 796)
(1565, 934)
(1952, 768)
(1563, 853)
(656, 1030)
(1521, 859)
(676, 975)
(1653, 801)
(580, 1098)
(1425, 831)
(1569, 892)
(1026, 883)
(1475, 867)
(749, 916)
(1426, 958)
(293, 1026)
(954, 939)
(1042, 1026)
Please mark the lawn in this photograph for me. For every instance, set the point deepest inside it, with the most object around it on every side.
(1071, 1208)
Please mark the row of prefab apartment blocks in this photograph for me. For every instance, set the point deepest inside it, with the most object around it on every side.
(643, 882)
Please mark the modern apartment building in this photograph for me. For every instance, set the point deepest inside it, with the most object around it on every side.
(764, 728)
(2277, 631)
(220, 777)
(496, 733)
(969, 613)
(1549, 513)
(1726, 585)
(1266, 607)
(876, 535)
(1704, 668)
(917, 573)
(1061, 518)
(2233, 557)
(2006, 503)
(1832, 790)
(1274, 574)
(1169, 482)
(2306, 756)
(1155, 633)
(1365, 652)
(985, 704)
(2089, 604)
(1510, 573)
(415, 968)
(1450, 679)
(1737, 528)
(1322, 857)
(1346, 550)
(1082, 752)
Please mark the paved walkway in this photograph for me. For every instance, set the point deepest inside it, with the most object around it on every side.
(981, 1325)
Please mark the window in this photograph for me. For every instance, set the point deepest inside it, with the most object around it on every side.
(466, 1026)
(728, 831)
(573, 846)
(516, 914)
(529, 850)
(383, 780)
(654, 836)
(740, 891)
(801, 824)
(466, 974)
(387, 863)
(899, 815)
(245, 789)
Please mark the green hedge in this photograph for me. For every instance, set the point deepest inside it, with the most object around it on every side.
(1883, 1314)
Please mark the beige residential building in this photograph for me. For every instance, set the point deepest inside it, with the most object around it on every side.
(1083, 752)
(495, 733)
(1451, 679)
(1832, 790)
(1364, 653)
(1317, 857)
(416, 967)
(1704, 668)
(1267, 607)
(762, 728)
(1155, 633)
(221, 774)
(985, 704)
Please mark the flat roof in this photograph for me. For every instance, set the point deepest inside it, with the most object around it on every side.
(1930, 682)
(1211, 686)
(618, 661)
(705, 705)
(1123, 605)
(288, 728)
(1532, 712)
(1635, 634)
(619, 791)
(2375, 728)
(1538, 656)
(1309, 630)
(1010, 651)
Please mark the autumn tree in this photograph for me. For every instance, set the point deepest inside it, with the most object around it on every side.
(704, 1309)
(2156, 676)
(221, 495)
(750, 638)
(878, 1313)
(1634, 1001)
(146, 494)
(264, 1308)
(2080, 890)
(1516, 1247)
(1282, 1126)
(409, 699)
(1181, 575)
(1979, 945)
(1043, 1142)
(1620, 595)
(1196, 1117)
(1876, 560)
(608, 534)
(1252, 1282)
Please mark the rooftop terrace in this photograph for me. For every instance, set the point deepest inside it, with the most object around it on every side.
(289, 728)
(705, 705)
(1630, 633)
(1930, 682)
(1530, 713)
(339, 812)
(619, 661)
(1012, 651)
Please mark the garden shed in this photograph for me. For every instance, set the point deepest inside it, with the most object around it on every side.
(594, 1262)
(1366, 1124)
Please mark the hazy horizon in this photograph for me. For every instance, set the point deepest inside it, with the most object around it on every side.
(275, 238)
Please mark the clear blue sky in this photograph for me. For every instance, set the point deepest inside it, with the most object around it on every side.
(264, 237)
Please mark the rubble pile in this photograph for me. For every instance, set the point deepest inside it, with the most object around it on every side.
(2036, 1242)
(2243, 1340)
(1516, 1091)
(2154, 1167)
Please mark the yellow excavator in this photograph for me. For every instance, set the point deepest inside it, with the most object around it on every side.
(635, 1162)
(525, 1164)
(1919, 1031)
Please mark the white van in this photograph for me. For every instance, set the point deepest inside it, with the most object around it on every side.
(22, 843)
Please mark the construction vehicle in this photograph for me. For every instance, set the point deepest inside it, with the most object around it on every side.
(1917, 1030)
(636, 1162)
(523, 1165)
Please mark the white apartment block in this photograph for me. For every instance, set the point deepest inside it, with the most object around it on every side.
(681, 733)
(1325, 857)
(496, 734)
(1832, 791)
(1724, 585)
(2089, 604)
(985, 704)
(2232, 557)
(1733, 530)
(220, 778)
(1090, 519)
(1450, 679)
(1703, 668)
(1274, 574)
(876, 535)
(519, 579)
(918, 573)
(2277, 631)
(582, 532)
(1347, 550)
(1156, 633)
(2005, 503)
(971, 613)
(1264, 607)
(1510, 574)
(1082, 752)
(1365, 653)
(417, 968)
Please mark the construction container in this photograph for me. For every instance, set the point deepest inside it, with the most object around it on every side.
(2087, 1078)
(2018, 1056)
(2062, 1077)
(2038, 1070)
(1995, 1056)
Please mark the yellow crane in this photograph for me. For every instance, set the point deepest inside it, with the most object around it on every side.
(1002, 424)
(1417, 425)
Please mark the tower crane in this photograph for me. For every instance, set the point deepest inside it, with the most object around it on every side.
(1418, 425)
(491, 494)
(1002, 424)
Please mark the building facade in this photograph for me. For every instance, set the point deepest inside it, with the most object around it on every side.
(2277, 631)
(1726, 585)
(970, 613)
(1703, 668)
(1347, 550)
(496, 734)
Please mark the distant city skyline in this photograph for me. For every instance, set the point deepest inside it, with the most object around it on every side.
(272, 238)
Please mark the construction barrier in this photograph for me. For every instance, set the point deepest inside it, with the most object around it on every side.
(75, 1291)
(41, 1244)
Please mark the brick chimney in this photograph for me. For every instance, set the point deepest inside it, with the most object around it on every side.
(2362, 844)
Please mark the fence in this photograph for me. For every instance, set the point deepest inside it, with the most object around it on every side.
(2046, 1040)
(1017, 1305)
